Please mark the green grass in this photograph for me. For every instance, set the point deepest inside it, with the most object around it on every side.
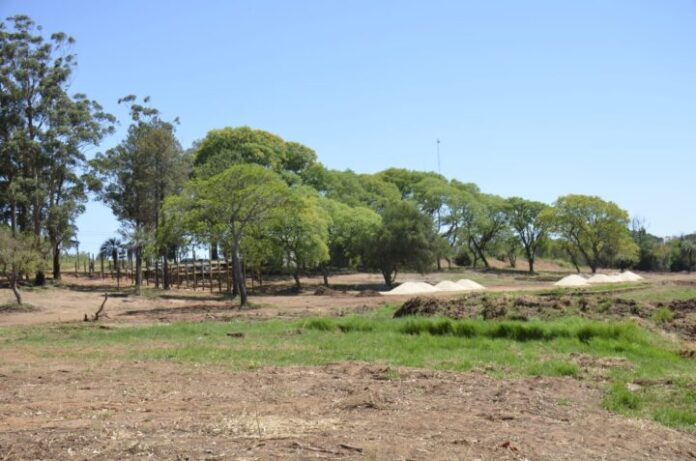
(501, 348)
(662, 315)
(666, 293)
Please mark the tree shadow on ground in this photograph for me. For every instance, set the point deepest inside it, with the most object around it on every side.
(195, 309)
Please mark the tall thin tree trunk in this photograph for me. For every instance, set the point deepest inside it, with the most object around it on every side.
(165, 275)
(238, 277)
(13, 217)
(56, 261)
(296, 276)
(138, 270)
(325, 273)
(157, 277)
(13, 284)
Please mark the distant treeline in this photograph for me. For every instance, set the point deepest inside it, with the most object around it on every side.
(256, 200)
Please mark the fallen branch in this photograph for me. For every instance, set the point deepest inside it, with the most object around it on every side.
(100, 312)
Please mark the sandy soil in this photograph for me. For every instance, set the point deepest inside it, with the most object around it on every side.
(342, 411)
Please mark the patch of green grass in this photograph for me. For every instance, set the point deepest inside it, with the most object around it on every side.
(554, 368)
(663, 293)
(582, 330)
(505, 348)
(662, 315)
(620, 399)
(676, 417)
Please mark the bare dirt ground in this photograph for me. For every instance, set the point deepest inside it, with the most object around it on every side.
(343, 411)
(64, 409)
(351, 293)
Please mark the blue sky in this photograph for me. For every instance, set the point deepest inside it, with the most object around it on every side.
(534, 98)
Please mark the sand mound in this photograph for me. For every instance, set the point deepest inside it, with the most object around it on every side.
(603, 278)
(470, 285)
(629, 276)
(411, 288)
(572, 281)
(448, 285)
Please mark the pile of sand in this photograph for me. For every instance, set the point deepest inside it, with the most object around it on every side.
(470, 285)
(411, 288)
(629, 276)
(448, 285)
(414, 288)
(572, 281)
(603, 278)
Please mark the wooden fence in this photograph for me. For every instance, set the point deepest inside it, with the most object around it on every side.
(209, 275)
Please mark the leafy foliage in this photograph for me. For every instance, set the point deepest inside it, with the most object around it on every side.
(404, 240)
(18, 256)
(596, 229)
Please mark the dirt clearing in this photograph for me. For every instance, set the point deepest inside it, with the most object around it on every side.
(161, 410)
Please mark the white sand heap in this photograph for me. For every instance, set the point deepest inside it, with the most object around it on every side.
(629, 276)
(572, 281)
(411, 288)
(470, 285)
(415, 288)
(603, 278)
(448, 285)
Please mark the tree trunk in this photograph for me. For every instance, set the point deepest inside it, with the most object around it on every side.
(56, 261)
(531, 265)
(13, 217)
(138, 276)
(165, 274)
(296, 276)
(325, 274)
(238, 277)
(157, 277)
(483, 258)
(118, 273)
(389, 276)
(13, 284)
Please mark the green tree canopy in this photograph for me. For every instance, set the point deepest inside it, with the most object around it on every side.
(404, 240)
(137, 175)
(43, 133)
(526, 219)
(243, 145)
(18, 256)
(350, 231)
(595, 228)
(226, 206)
(300, 231)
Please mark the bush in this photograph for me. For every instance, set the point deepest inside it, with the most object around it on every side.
(463, 259)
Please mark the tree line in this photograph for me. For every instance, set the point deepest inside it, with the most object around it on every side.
(262, 203)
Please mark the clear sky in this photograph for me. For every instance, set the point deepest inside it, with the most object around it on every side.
(529, 98)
